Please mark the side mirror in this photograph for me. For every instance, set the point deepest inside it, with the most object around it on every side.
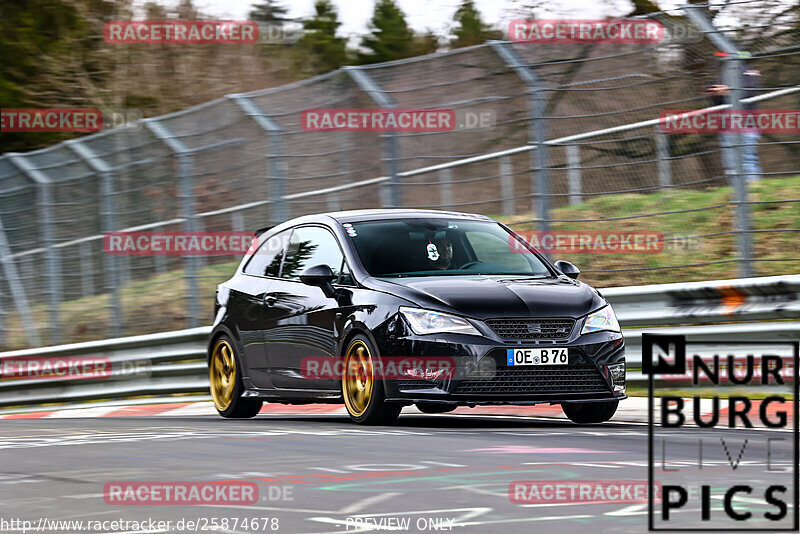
(568, 269)
(319, 276)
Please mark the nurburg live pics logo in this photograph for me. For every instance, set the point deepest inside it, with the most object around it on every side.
(728, 463)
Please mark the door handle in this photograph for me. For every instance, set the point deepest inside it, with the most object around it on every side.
(270, 299)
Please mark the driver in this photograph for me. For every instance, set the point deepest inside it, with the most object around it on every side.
(440, 253)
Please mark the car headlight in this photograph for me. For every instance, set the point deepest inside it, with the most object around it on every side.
(433, 322)
(602, 319)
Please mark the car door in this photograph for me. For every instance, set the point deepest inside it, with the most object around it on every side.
(301, 319)
(248, 306)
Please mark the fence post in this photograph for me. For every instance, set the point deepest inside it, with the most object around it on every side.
(446, 188)
(52, 258)
(160, 260)
(735, 82)
(125, 277)
(53, 262)
(279, 208)
(186, 188)
(334, 204)
(663, 161)
(540, 180)
(237, 221)
(187, 200)
(200, 226)
(160, 263)
(732, 75)
(393, 197)
(507, 185)
(17, 290)
(574, 174)
(108, 224)
(87, 269)
(3, 319)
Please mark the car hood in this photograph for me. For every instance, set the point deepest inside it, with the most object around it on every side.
(483, 297)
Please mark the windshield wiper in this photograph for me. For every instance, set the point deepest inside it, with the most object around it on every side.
(526, 275)
(458, 272)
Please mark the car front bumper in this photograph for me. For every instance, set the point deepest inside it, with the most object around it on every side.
(482, 376)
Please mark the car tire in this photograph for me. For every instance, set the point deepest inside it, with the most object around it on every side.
(226, 385)
(364, 395)
(585, 413)
(435, 407)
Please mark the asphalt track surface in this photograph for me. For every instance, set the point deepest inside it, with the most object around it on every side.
(319, 473)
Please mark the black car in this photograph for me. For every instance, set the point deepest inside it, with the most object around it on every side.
(353, 307)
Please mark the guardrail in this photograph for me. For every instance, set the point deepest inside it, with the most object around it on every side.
(743, 299)
(174, 362)
(155, 364)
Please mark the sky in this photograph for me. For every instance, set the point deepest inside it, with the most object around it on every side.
(422, 15)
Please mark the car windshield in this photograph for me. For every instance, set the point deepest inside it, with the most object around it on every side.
(437, 247)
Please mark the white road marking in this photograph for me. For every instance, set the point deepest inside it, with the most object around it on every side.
(83, 412)
(549, 504)
(131, 437)
(197, 408)
(606, 466)
(476, 489)
(634, 509)
(523, 519)
(85, 496)
(363, 503)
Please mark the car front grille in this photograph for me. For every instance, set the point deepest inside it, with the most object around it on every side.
(531, 328)
(544, 380)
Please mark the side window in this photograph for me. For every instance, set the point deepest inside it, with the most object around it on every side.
(267, 259)
(309, 246)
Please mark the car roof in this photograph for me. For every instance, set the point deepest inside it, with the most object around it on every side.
(370, 215)
(400, 213)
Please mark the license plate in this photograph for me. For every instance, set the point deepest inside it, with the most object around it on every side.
(520, 357)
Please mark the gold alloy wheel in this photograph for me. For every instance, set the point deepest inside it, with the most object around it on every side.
(222, 374)
(357, 379)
